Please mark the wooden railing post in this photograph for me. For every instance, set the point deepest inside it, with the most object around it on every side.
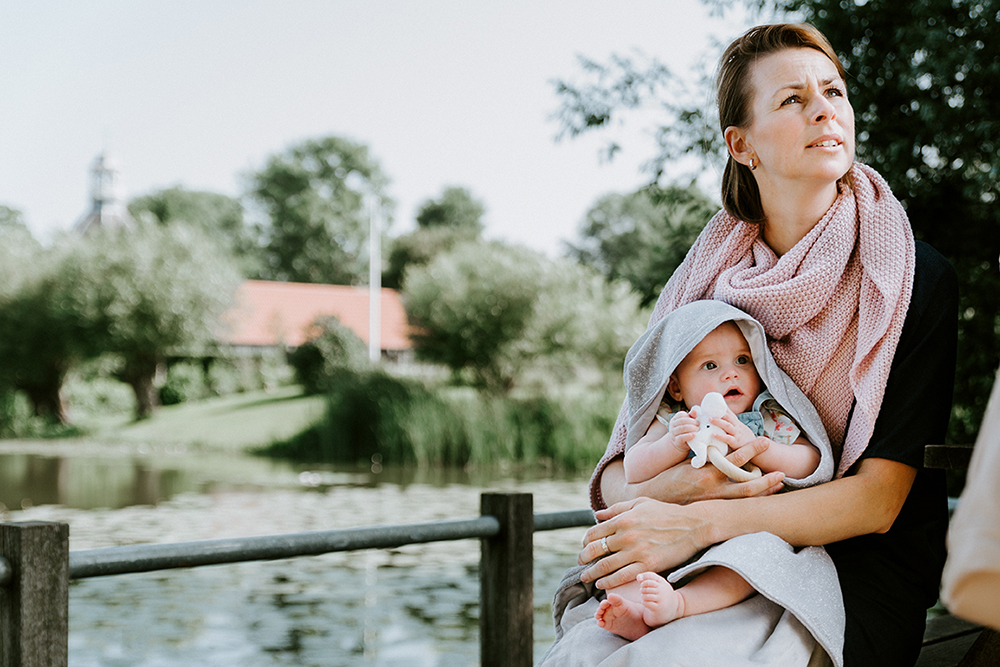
(34, 606)
(506, 583)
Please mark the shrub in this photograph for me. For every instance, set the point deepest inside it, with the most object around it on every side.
(374, 416)
(333, 349)
(185, 382)
(98, 395)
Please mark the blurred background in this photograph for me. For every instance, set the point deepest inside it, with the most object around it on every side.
(195, 199)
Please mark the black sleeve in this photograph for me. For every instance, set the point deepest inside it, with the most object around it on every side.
(918, 393)
(890, 579)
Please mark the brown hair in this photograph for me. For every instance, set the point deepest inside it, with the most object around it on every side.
(740, 195)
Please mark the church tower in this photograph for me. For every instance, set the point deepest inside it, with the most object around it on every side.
(107, 210)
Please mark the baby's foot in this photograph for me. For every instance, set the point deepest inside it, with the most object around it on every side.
(622, 617)
(660, 602)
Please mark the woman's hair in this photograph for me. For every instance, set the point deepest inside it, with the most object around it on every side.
(740, 195)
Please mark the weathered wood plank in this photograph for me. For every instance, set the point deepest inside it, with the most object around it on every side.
(985, 652)
(507, 583)
(948, 457)
(34, 606)
(943, 628)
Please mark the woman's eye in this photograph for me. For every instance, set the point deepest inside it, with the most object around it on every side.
(835, 92)
(790, 100)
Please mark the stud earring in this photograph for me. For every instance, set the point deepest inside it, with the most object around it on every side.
(753, 167)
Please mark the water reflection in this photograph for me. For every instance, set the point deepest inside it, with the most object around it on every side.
(27, 480)
(107, 481)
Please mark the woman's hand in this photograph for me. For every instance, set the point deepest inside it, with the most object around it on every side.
(642, 535)
(684, 484)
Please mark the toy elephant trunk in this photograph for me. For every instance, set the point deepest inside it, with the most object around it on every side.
(707, 447)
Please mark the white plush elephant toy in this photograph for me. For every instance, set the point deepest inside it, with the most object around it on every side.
(707, 447)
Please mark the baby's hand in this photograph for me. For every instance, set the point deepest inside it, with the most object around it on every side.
(737, 434)
(683, 428)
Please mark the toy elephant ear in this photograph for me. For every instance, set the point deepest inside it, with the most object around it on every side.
(713, 405)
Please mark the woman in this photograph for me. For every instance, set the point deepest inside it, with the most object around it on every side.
(863, 320)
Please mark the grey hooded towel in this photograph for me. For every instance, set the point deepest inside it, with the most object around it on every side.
(798, 618)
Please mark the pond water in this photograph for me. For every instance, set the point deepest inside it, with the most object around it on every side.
(415, 605)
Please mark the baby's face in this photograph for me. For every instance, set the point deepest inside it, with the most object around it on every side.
(720, 362)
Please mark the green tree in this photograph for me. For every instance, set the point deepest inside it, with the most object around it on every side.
(313, 197)
(219, 216)
(923, 84)
(17, 250)
(456, 208)
(503, 316)
(582, 323)
(145, 294)
(642, 237)
(41, 339)
(471, 306)
(38, 339)
(442, 224)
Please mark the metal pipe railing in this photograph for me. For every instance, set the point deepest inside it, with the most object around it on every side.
(36, 566)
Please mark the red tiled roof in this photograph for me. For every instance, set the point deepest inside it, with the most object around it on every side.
(276, 313)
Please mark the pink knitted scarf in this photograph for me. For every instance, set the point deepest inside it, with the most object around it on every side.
(833, 306)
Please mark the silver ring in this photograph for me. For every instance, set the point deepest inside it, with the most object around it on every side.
(604, 545)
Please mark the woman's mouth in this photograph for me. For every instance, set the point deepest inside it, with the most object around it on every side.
(827, 142)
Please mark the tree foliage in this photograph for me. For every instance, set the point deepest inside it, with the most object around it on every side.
(18, 249)
(41, 338)
(924, 84)
(314, 198)
(220, 217)
(442, 224)
(643, 236)
(504, 316)
(456, 208)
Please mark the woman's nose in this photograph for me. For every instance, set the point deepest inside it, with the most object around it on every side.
(822, 110)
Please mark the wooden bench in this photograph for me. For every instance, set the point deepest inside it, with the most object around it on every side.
(948, 640)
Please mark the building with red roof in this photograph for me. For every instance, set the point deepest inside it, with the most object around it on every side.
(272, 314)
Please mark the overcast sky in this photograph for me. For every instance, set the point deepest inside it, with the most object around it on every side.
(444, 92)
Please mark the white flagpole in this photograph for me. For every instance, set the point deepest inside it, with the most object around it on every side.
(375, 280)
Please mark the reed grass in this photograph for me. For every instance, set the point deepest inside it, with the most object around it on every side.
(375, 417)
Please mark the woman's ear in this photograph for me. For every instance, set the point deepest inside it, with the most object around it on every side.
(674, 388)
(738, 146)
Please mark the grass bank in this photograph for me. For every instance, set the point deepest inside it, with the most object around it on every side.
(238, 422)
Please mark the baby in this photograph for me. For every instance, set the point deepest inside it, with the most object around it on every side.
(721, 362)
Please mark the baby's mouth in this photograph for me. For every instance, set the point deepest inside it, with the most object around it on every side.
(733, 393)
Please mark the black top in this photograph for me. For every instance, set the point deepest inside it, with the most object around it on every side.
(889, 580)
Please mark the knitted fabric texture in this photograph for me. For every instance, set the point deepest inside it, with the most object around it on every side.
(833, 306)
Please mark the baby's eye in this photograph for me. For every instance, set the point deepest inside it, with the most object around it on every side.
(710, 366)
(743, 359)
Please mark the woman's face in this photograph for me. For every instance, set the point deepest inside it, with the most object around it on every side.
(802, 128)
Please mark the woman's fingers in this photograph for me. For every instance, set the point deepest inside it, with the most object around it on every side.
(764, 485)
(741, 456)
(620, 577)
(600, 530)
